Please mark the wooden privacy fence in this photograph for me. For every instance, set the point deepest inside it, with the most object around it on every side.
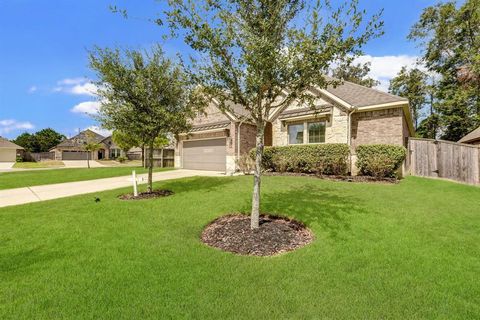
(39, 156)
(444, 159)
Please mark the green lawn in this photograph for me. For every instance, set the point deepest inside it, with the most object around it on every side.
(38, 165)
(20, 179)
(405, 251)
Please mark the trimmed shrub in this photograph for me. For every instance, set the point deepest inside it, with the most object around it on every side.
(327, 159)
(380, 160)
(121, 159)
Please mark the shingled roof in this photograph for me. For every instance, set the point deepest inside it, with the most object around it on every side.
(360, 96)
(472, 136)
(5, 144)
(80, 139)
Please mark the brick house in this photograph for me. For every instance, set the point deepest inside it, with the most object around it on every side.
(349, 113)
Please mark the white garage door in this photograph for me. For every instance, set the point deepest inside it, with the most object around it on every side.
(205, 154)
(8, 155)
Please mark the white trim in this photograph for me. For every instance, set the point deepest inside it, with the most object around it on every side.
(336, 99)
(383, 105)
(305, 132)
(204, 131)
(308, 116)
(200, 139)
(228, 114)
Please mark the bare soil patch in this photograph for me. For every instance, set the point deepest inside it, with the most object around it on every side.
(147, 195)
(335, 178)
(274, 236)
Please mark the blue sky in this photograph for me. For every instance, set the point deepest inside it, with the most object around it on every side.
(44, 62)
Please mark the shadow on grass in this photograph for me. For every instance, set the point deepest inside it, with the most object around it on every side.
(201, 184)
(24, 259)
(314, 206)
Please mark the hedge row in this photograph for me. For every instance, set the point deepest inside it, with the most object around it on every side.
(328, 159)
(333, 158)
(380, 160)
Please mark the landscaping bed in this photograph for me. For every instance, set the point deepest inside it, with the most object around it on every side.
(274, 236)
(147, 195)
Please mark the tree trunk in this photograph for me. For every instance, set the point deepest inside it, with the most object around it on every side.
(143, 157)
(150, 167)
(255, 215)
(88, 159)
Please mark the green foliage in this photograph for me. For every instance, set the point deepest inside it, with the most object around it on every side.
(356, 73)
(411, 84)
(122, 159)
(18, 158)
(47, 139)
(450, 37)
(28, 141)
(144, 95)
(40, 141)
(380, 160)
(124, 141)
(256, 55)
(327, 159)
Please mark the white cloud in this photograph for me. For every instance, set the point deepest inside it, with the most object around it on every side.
(9, 125)
(384, 68)
(100, 130)
(76, 86)
(87, 107)
(32, 89)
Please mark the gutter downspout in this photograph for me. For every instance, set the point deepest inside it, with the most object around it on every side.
(349, 134)
(238, 139)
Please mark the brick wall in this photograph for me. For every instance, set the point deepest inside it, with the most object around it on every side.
(380, 126)
(248, 133)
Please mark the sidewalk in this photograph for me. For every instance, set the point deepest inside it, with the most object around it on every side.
(17, 196)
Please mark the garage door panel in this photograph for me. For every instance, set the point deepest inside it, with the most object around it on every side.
(8, 155)
(74, 155)
(205, 154)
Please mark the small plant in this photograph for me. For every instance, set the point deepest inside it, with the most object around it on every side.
(245, 163)
(380, 160)
(19, 158)
(122, 159)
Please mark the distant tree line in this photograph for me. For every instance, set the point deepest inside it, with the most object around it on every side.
(40, 141)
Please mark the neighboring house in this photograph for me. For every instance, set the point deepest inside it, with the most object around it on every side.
(73, 149)
(349, 113)
(472, 138)
(9, 150)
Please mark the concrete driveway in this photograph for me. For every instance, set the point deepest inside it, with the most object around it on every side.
(81, 164)
(6, 165)
(17, 196)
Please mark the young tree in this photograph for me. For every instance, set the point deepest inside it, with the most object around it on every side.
(450, 38)
(145, 95)
(411, 84)
(356, 73)
(124, 141)
(255, 55)
(90, 145)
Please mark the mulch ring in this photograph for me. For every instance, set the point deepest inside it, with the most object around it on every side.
(274, 236)
(335, 178)
(146, 195)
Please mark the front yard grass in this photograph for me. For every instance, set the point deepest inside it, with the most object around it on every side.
(382, 251)
(39, 164)
(18, 179)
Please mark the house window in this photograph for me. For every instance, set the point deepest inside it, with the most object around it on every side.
(115, 153)
(295, 133)
(316, 132)
(307, 132)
